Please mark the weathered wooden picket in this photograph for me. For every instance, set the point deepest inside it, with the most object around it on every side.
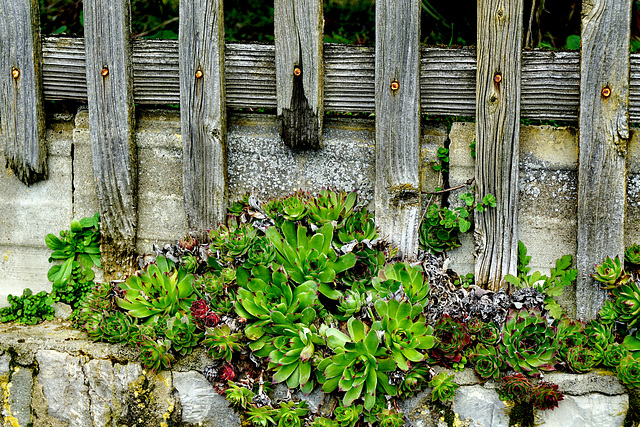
(399, 80)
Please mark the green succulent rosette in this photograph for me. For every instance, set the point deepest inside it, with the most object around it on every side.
(609, 312)
(632, 255)
(614, 353)
(628, 303)
(359, 366)
(391, 419)
(238, 397)
(444, 389)
(569, 333)
(324, 422)
(528, 343)
(452, 339)
(183, 335)
(610, 273)
(402, 336)
(581, 359)
(116, 327)
(291, 414)
(413, 381)
(350, 304)
(629, 372)
(487, 362)
(296, 206)
(474, 325)
(331, 206)
(221, 343)
(155, 355)
(489, 334)
(348, 416)
(260, 417)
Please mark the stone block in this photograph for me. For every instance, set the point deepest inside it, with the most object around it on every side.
(64, 387)
(480, 407)
(603, 382)
(201, 404)
(592, 410)
(23, 267)
(19, 398)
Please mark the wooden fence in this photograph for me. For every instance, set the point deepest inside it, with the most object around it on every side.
(399, 80)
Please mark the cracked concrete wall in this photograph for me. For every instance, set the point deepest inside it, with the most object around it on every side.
(259, 162)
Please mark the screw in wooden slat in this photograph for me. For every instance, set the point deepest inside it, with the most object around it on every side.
(606, 92)
(104, 72)
(199, 74)
(497, 78)
(15, 73)
(297, 71)
(395, 85)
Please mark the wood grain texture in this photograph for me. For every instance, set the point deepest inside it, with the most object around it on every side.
(550, 80)
(203, 114)
(397, 185)
(298, 39)
(604, 133)
(497, 138)
(111, 124)
(21, 97)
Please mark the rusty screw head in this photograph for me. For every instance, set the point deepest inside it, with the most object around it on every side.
(395, 85)
(199, 74)
(104, 72)
(297, 71)
(606, 92)
(15, 73)
(497, 78)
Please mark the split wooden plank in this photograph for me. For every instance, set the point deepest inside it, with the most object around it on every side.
(497, 138)
(203, 114)
(604, 133)
(21, 97)
(111, 124)
(299, 71)
(397, 185)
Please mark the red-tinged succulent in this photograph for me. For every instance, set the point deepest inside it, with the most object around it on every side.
(610, 273)
(528, 343)
(628, 303)
(227, 373)
(546, 396)
(569, 333)
(211, 319)
(489, 334)
(614, 353)
(474, 325)
(487, 361)
(452, 339)
(516, 388)
(188, 243)
(199, 309)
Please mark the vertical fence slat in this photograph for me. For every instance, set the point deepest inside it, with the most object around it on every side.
(397, 186)
(203, 114)
(299, 71)
(111, 123)
(604, 131)
(21, 99)
(497, 138)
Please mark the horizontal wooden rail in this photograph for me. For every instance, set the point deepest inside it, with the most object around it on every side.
(550, 79)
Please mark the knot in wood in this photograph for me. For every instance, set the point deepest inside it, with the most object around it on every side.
(15, 73)
(104, 72)
(199, 74)
(497, 78)
(395, 85)
(606, 92)
(297, 72)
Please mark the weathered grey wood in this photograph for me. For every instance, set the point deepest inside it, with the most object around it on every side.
(497, 138)
(203, 114)
(604, 133)
(111, 123)
(299, 71)
(550, 80)
(21, 100)
(397, 185)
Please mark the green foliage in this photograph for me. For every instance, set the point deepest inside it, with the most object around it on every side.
(221, 343)
(160, 290)
(390, 418)
(260, 417)
(614, 353)
(28, 309)
(330, 206)
(290, 414)
(444, 389)
(569, 333)
(78, 250)
(581, 359)
(443, 155)
(632, 255)
(239, 397)
(411, 278)
(528, 343)
(629, 371)
(359, 366)
(487, 362)
(405, 332)
(610, 273)
(452, 339)
(516, 388)
(182, 334)
(348, 416)
(440, 228)
(155, 355)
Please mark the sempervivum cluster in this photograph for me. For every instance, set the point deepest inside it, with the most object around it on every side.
(202, 314)
(528, 342)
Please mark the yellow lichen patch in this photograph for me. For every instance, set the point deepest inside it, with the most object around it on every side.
(9, 419)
